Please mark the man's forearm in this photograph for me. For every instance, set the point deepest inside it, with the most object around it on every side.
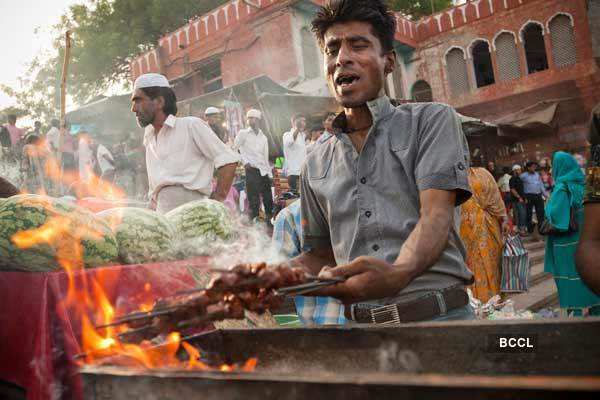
(426, 243)
(313, 261)
(587, 257)
(225, 176)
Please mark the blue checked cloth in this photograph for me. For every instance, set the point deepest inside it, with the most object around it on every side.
(287, 232)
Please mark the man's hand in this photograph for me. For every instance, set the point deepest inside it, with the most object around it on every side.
(225, 176)
(367, 278)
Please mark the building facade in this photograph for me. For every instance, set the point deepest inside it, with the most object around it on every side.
(529, 66)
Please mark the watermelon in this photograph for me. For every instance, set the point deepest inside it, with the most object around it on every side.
(30, 211)
(143, 235)
(198, 224)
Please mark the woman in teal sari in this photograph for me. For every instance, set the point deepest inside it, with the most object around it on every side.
(575, 298)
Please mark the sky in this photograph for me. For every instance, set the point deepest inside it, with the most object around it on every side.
(18, 38)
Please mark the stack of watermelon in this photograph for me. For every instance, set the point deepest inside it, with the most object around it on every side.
(199, 226)
(142, 235)
(125, 235)
(29, 212)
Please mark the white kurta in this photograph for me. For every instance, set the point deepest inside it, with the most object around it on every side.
(184, 153)
(86, 159)
(254, 149)
(294, 152)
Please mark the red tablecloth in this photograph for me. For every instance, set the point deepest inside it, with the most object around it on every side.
(39, 337)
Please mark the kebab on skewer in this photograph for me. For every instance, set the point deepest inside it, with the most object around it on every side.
(252, 287)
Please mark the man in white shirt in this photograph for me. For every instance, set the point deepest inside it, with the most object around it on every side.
(106, 162)
(53, 136)
(85, 155)
(294, 150)
(181, 153)
(254, 149)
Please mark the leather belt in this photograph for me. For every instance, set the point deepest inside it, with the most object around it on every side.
(431, 305)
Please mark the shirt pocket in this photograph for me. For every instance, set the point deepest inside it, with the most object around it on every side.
(399, 141)
(319, 167)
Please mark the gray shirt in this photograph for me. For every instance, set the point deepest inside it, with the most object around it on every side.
(367, 203)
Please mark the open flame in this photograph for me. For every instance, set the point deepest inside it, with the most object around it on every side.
(87, 296)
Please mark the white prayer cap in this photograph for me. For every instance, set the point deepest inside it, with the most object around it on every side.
(212, 111)
(253, 113)
(151, 80)
(516, 167)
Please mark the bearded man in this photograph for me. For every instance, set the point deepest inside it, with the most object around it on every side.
(181, 152)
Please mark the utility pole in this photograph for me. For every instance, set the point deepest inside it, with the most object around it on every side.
(63, 100)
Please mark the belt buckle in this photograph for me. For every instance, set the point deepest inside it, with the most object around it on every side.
(385, 315)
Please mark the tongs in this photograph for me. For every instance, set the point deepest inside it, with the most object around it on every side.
(315, 284)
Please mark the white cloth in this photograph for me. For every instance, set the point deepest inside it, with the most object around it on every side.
(294, 152)
(254, 149)
(86, 159)
(151, 80)
(171, 197)
(503, 183)
(184, 152)
(102, 154)
(52, 138)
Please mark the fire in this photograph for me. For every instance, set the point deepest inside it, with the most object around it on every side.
(87, 298)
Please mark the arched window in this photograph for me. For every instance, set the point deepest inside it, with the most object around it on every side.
(507, 57)
(482, 64)
(310, 56)
(456, 65)
(535, 50)
(421, 92)
(564, 52)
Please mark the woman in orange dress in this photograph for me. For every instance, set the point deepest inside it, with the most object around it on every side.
(483, 221)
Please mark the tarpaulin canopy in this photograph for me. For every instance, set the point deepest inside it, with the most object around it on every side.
(110, 118)
(246, 93)
(538, 118)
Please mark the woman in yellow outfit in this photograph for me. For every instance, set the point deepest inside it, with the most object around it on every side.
(483, 220)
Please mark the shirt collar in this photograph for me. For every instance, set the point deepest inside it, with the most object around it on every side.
(149, 131)
(170, 121)
(380, 108)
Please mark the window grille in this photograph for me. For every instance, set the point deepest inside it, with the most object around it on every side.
(211, 75)
(507, 57)
(563, 41)
(457, 72)
(421, 92)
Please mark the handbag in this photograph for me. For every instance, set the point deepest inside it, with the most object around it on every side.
(546, 228)
(515, 266)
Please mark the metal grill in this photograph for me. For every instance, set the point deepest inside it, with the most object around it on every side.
(457, 72)
(563, 41)
(509, 65)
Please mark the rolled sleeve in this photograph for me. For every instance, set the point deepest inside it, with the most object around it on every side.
(443, 155)
(315, 229)
(209, 144)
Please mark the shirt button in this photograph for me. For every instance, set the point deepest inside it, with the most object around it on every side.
(368, 214)
(363, 180)
(375, 247)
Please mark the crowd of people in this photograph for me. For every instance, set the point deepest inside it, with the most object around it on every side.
(78, 150)
(554, 190)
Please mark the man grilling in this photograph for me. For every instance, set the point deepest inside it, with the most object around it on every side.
(181, 153)
(380, 198)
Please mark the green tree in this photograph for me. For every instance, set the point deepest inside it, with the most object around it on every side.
(106, 35)
(418, 8)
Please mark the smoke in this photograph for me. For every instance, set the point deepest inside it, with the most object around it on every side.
(251, 244)
(9, 170)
